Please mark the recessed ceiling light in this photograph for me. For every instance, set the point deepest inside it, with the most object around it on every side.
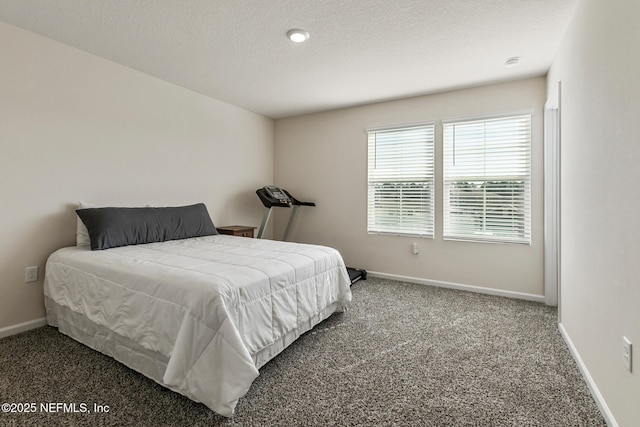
(513, 61)
(298, 36)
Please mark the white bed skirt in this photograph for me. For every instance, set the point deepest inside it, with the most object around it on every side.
(150, 363)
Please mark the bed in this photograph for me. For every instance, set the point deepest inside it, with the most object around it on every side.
(199, 314)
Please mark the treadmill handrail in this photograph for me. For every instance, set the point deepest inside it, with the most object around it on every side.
(298, 202)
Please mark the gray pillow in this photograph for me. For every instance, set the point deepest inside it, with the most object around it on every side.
(113, 227)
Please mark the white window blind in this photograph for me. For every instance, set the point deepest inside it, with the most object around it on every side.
(401, 180)
(487, 179)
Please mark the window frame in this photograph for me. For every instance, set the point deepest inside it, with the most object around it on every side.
(482, 183)
(428, 181)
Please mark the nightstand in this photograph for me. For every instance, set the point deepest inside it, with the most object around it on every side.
(237, 230)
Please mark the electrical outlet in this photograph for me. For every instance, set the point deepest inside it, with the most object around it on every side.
(415, 248)
(31, 274)
(626, 352)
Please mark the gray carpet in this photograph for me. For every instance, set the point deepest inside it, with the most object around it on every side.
(404, 354)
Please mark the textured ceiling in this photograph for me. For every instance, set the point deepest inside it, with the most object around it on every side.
(360, 51)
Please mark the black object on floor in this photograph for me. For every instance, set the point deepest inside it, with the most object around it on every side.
(356, 274)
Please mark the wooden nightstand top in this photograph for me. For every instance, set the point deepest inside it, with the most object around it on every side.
(237, 230)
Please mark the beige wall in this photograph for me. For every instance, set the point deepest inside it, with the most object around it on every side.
(598, 65)
(323, 158)
(76, 127)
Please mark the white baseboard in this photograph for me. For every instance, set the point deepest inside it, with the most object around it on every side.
(459, 286)
(593, 388)
(22, 327)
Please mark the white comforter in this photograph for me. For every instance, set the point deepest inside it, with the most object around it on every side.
(217, 307)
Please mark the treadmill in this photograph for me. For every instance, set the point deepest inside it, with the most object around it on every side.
(271, 197)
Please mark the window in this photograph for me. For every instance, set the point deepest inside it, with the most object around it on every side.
(487, 179)
(400, 180)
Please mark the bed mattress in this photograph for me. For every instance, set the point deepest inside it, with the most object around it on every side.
(199, 316)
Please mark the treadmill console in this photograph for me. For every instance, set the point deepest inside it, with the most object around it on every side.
(271, 196)
(277, 194)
